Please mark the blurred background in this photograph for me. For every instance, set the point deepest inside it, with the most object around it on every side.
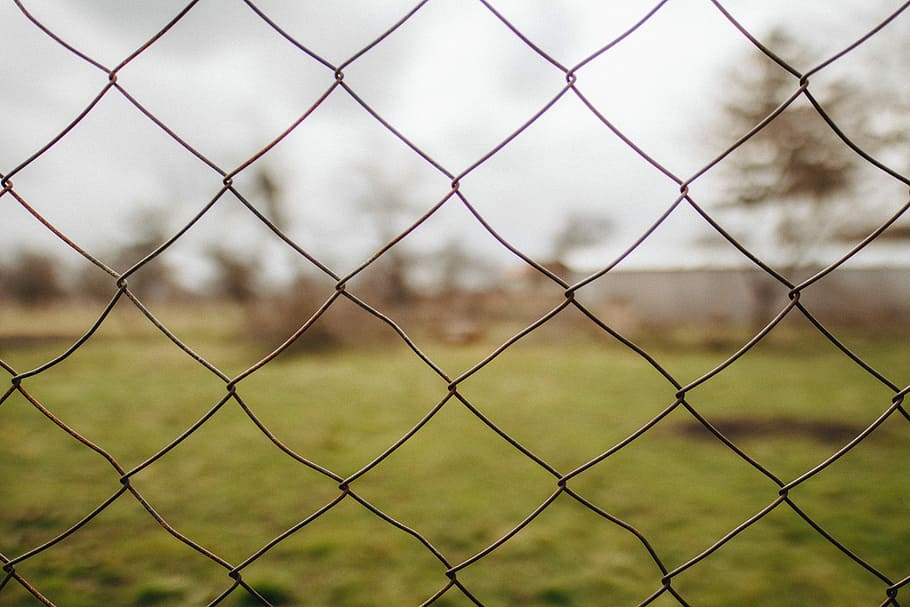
(451, 84)
(386, 204)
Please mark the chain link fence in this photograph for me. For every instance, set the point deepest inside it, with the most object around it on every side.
(664, 570)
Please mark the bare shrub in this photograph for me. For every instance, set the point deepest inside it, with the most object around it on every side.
(274, 318)
(33, 279)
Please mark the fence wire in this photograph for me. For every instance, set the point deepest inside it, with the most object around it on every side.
(452, 586)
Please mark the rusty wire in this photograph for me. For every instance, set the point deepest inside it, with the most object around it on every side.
(337, 84)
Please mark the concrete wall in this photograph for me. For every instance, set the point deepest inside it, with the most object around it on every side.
(735, 295)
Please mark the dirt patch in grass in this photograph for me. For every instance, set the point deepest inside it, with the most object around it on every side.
(743, 427)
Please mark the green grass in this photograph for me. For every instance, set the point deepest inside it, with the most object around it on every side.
(227, 487)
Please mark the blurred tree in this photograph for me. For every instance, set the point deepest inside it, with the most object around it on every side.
(269, 185)
(580, 229)
(387, 209)
(787, 186)
(236, 274)
(157, 279)
(457, 268)
(33, 279)
(888, 107)
(794, 169)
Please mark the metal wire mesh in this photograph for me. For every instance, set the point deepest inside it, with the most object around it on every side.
(452, 584)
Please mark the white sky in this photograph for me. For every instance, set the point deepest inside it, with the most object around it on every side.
(453, 79)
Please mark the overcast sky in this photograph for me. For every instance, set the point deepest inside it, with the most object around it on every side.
(453, 79)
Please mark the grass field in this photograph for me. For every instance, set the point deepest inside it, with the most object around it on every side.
(789, 403)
